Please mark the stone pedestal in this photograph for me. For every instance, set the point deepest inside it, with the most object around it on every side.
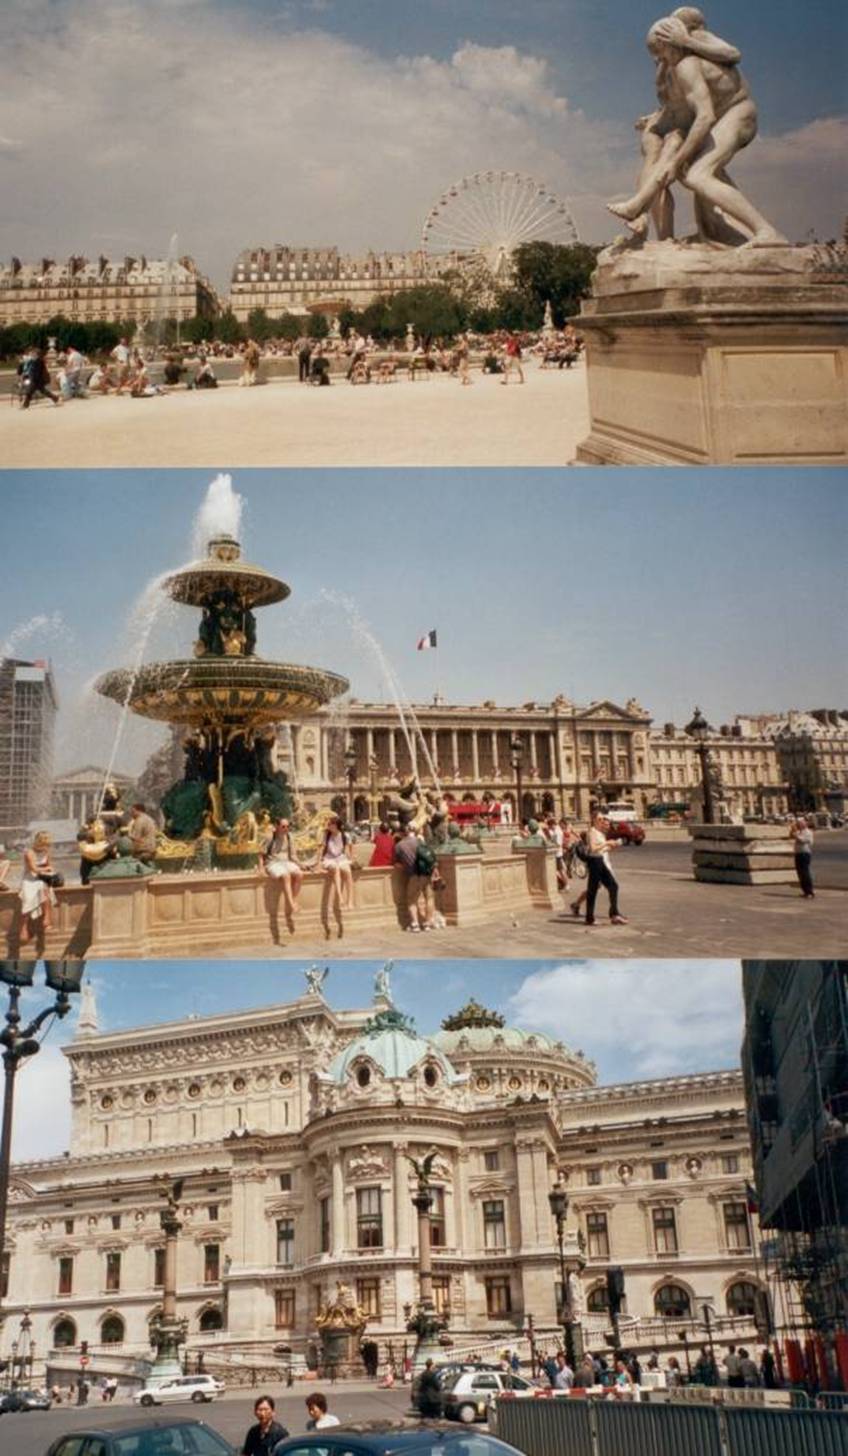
(743, 854)
(703, 355)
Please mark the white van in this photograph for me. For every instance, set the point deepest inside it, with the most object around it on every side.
(619, 812)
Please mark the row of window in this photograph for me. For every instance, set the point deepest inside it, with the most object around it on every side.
(113, 1329)
(113, 1267)
(672, 1301)
(660, 1170)
(737, 1231)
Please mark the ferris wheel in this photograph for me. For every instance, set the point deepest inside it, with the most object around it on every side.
(489, 214)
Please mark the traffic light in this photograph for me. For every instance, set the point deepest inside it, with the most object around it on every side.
(615, 1288)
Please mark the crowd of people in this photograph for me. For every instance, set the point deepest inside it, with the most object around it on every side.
(129, 370)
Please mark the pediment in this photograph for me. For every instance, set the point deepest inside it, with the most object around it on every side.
(605, 709)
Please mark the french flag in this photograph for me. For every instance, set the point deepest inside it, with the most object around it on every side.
(425, 643)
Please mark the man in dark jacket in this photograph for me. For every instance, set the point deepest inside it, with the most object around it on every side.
(35, 378)
(429, 1392)
(267, 1432)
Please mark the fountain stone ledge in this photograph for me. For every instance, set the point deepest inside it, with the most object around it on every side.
(179, 915)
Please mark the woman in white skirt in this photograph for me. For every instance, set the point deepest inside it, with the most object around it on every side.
(281, 864)
(37, 897)
(335, 862)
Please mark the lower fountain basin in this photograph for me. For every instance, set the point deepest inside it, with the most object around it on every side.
(237, 691)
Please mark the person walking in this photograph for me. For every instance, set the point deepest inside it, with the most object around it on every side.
(320, 1418)
(802, 837)
(35, 377)
(304, 360)
(267, 1431)
(598, 849)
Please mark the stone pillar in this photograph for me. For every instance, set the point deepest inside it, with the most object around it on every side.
(528, 1213)
(475, 756)
(455, 751)
(402, 1203)
(337, 1210)
(369, 744)
(534, 758)
(392, 749)
(495, 764)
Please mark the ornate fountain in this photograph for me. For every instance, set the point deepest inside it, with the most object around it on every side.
(229, 701)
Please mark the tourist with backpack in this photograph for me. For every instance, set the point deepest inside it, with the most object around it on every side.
(417, 861)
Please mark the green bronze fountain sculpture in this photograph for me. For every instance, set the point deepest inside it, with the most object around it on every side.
(230, 701)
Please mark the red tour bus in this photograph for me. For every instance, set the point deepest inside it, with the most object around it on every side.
(468, 811)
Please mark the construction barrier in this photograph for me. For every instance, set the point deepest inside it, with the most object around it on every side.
(601, 1427)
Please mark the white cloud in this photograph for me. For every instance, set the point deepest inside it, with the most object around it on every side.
(638, 1018)
(146, 117)
(42, 1123)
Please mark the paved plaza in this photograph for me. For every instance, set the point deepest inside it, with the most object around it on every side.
(669, 916)
(429, 421)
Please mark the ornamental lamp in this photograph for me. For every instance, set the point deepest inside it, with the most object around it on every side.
(64, 976)
(17, 973)
(698, 728)
(558, 1199)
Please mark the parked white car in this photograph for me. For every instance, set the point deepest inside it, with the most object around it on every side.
(466, 1396)
(186, 1387)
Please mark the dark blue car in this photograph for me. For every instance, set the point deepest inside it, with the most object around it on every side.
(424, 1441)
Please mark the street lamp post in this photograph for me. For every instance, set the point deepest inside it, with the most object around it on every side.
(516, 750)
(424, 1322)
(168, 1333)
(699, 729)
(684, 1339)
(19, 1042)
(350, 774)
(572, 1339)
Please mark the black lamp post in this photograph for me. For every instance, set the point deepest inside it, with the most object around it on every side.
(350, 774)
(516, 750)
(699, 729)
(63, 977)
(558, 1200)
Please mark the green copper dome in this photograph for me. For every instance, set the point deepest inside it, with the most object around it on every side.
(389, 1041)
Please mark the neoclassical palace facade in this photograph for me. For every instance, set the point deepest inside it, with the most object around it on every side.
(292, 1128)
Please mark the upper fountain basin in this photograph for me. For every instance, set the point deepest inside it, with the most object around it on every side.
(224, 570)
(239, 691)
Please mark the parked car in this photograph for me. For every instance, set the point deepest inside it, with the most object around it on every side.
(466, 1395)
(24, 1400)
(143, 1438)
(374, 1439)
(185, 1387)
(627, 830)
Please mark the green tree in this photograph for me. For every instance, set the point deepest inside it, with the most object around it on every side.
(227, 329)
(556, 271)
(318, 327)
(288, 326)
(433, 310)
(199, 329)
(259, 326)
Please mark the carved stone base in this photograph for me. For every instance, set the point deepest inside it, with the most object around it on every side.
(743, 854)
(717, 356)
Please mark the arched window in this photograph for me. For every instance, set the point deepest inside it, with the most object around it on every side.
(112, 1330)
(64, 1334)
(671, 1301)
(597, 1300)
(742, 1298)
(548, 803)
(211, 1319)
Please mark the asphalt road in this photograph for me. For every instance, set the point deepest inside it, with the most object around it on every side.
(830, 858)
(32, 1433)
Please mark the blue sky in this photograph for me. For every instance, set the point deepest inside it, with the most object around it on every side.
(721, 588)
(635, 1019)
(342, 121)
